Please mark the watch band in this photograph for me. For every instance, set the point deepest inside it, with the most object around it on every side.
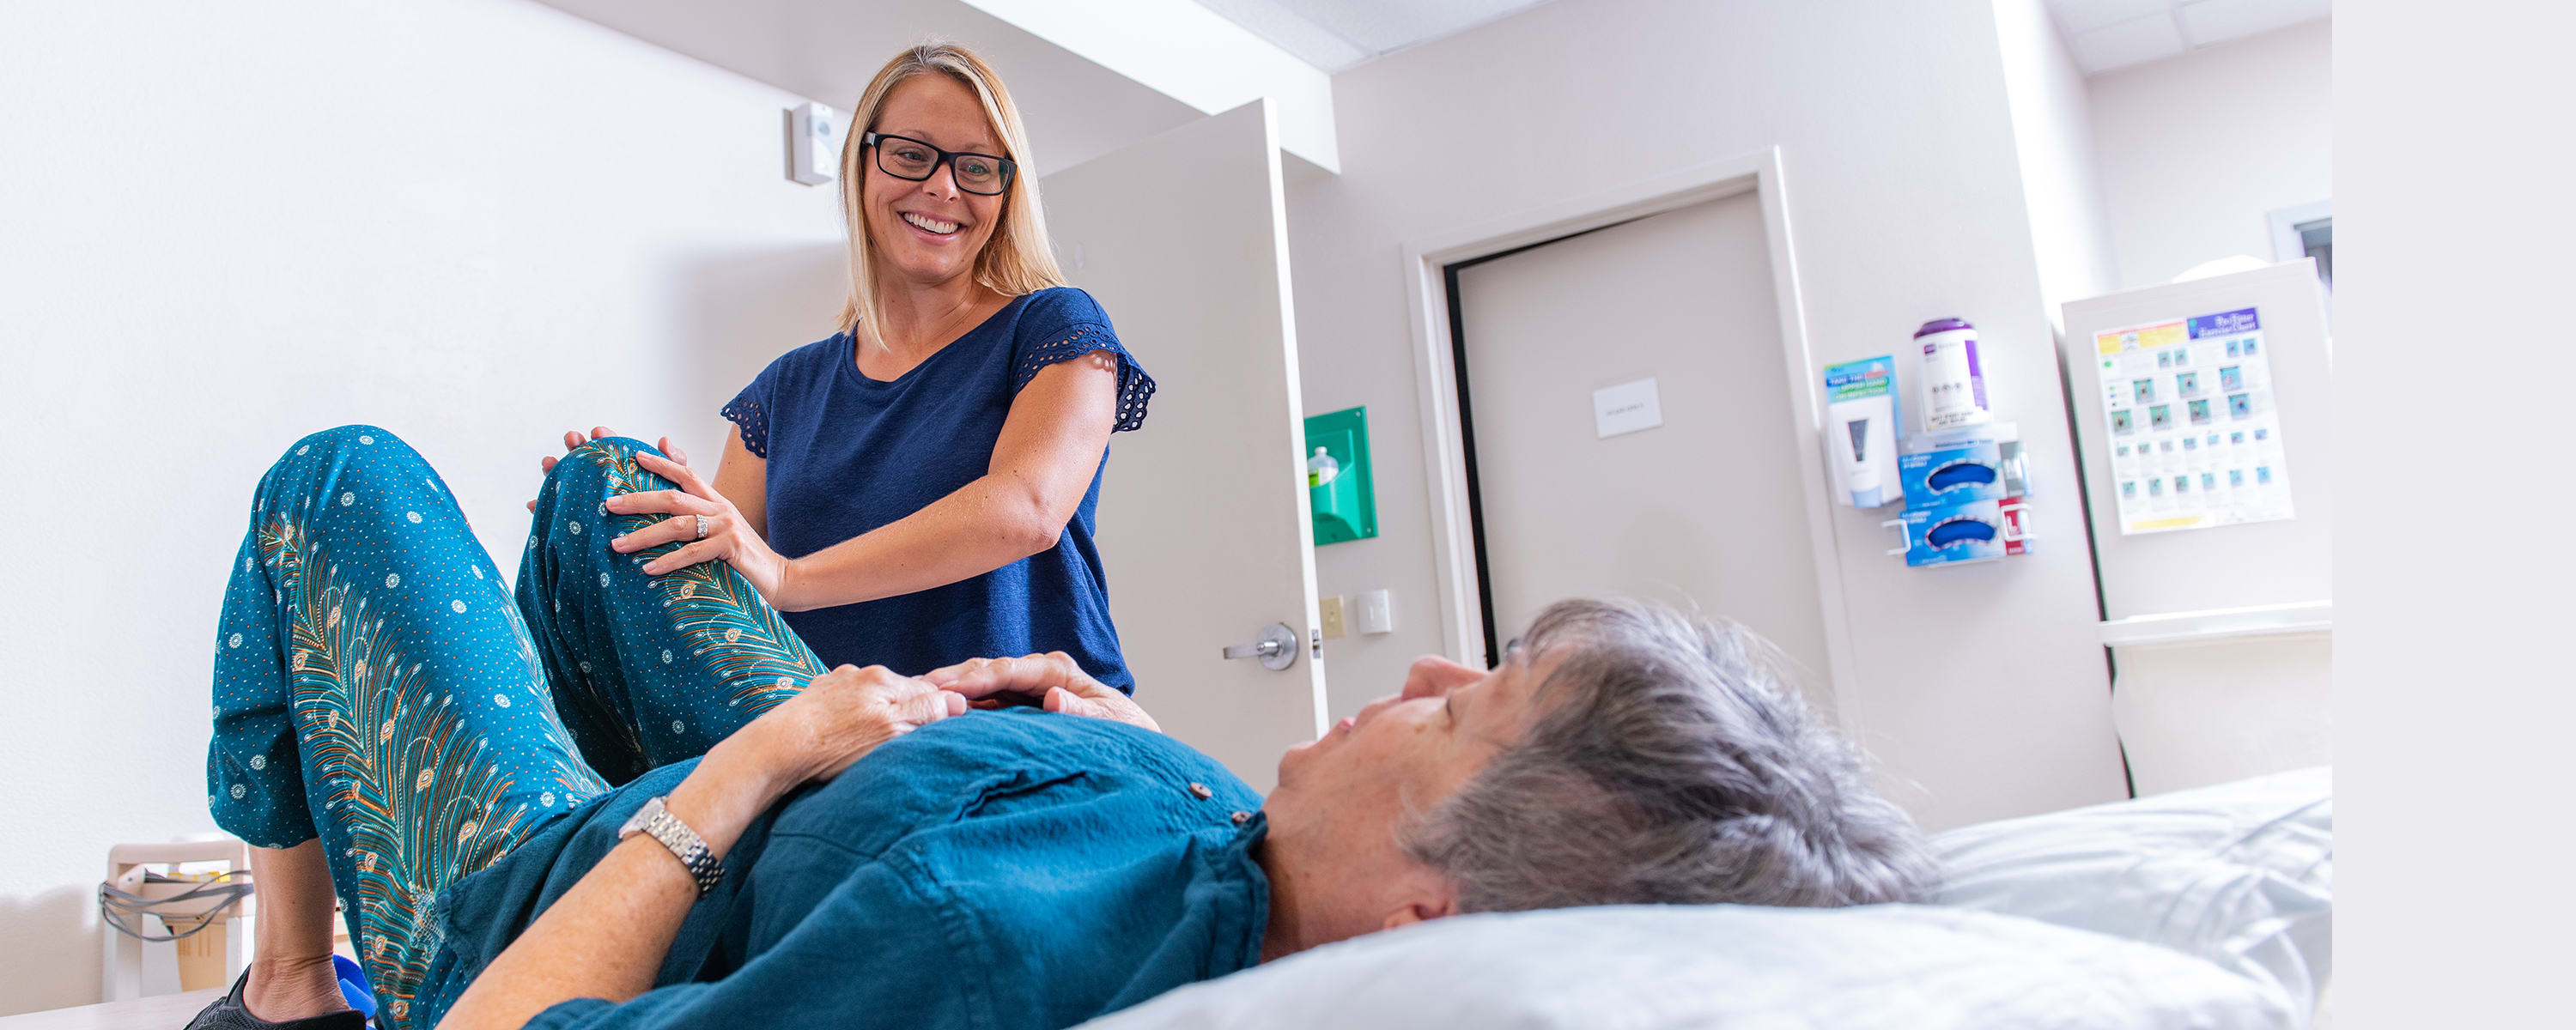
(657, 822)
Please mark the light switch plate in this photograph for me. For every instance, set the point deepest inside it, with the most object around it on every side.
(1329, 617)
(1376, 613)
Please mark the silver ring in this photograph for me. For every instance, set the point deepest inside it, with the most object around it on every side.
(702, 528)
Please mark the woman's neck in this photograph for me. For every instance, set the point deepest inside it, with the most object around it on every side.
(1296, 919)
(921, 318)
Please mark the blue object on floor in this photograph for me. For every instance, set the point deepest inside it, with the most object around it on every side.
(353, 985)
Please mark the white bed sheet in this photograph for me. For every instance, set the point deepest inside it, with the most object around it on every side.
(2240, 875)
(2208, 908)
(1640, 967)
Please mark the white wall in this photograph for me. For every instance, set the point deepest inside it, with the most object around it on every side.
(2197, 150)
(1981, 689)
(2052, 120)
(476, 223)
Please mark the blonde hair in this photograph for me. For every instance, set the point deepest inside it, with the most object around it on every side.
(1016, 259)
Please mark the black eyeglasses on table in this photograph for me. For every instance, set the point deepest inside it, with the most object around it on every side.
(906, 158)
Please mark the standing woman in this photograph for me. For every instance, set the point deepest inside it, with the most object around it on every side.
(918, 489)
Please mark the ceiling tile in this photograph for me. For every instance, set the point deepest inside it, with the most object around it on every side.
(2216, 21)
(2079, 16)
(2135, 41)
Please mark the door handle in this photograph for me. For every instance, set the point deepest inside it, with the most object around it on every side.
(1276, 646)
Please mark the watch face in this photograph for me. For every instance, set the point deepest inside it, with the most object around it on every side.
(635, 823)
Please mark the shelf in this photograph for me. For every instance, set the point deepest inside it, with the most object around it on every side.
(2219, 624)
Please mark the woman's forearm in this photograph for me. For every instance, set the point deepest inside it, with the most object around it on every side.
(608, 934)
(1044, 462)
(983, 526)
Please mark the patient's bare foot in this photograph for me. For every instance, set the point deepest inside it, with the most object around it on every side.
(292, 988)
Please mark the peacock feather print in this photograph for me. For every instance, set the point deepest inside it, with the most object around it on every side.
(743, 640)
(420, 795)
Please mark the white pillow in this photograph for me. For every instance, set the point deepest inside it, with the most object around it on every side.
(2240, 875)
(1892, 966)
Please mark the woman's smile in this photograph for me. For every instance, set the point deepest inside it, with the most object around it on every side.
(931, 228)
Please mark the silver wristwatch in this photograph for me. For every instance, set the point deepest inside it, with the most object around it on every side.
(657, 822)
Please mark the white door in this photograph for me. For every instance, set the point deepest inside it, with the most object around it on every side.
(1203, 533)
(1706, 508)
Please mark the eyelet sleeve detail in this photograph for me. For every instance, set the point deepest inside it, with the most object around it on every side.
(745, 411)
(1135, 388)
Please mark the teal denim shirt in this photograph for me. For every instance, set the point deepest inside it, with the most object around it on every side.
(1001, 869)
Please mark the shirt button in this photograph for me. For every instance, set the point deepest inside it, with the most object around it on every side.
(1241, 818)
(1201, 791)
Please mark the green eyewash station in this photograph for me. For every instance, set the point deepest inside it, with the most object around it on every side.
(1338, 477)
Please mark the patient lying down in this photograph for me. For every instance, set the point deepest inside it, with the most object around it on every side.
(879, 852)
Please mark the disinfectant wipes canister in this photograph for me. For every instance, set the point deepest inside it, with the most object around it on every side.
(1953, 382)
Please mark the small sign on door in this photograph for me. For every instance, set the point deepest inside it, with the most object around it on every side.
(1626, 408)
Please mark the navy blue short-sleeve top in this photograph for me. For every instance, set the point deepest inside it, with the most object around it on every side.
(848, 454)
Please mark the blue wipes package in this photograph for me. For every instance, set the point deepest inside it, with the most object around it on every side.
(1972, 471)
(1970, 531)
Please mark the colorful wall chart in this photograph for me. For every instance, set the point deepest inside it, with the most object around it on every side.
(2195, 436)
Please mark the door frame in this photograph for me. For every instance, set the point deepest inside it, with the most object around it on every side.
(1436, 376)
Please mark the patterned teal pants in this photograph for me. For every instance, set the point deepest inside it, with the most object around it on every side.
(376, 686)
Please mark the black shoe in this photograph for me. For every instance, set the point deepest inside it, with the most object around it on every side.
(228, 1013)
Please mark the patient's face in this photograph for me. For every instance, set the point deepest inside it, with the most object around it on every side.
(1407, 752)
(944, 113)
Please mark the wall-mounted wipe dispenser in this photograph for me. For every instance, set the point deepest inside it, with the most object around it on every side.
(1966, 495)
(1965, 486)
(1963, 476)
(1860, 429)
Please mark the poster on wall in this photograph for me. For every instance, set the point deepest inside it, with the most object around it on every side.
(2195, 435)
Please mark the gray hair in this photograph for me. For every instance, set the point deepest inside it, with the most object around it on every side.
(1667, 764)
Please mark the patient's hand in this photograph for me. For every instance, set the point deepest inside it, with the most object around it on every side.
(840, 717)
(1051, 678)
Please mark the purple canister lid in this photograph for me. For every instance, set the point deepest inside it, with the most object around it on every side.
(1942, 325)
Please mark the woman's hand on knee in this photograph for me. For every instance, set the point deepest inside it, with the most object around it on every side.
(1053, 679)
(573, 439)
(843, 715)
(728, 538)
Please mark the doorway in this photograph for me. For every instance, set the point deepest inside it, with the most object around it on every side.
(1704, 507)
(1202, 516)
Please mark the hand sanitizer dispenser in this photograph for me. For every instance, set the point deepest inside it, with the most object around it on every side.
(1860, 429)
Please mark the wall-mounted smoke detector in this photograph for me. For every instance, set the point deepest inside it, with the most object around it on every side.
(813, 143)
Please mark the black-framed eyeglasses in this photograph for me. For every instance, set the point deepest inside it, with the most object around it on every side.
(906, 158)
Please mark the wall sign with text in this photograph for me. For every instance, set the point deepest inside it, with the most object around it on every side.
(2195, 435)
